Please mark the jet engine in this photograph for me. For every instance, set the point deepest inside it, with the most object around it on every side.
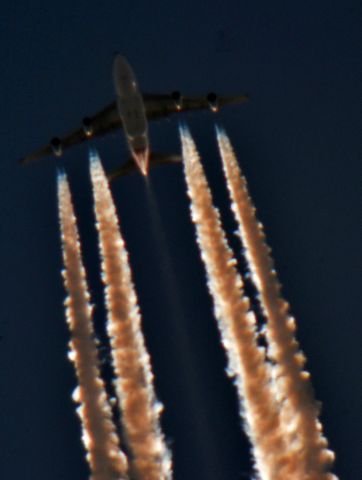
(212, 100)
(87, 126)
(177, 98)
(57, 147)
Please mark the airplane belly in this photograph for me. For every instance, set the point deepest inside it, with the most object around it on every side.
(123, 77)
(132, 112)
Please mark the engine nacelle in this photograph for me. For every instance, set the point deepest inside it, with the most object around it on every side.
(87, 126)
(57, 146)
(177, 98)
(212, 100)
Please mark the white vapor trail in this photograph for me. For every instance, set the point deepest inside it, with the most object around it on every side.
(236, 324)
(299, 410)
(134, 379)
(106, 460)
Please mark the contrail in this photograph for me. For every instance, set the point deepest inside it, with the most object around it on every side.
(237, 325)
(299, 412)
(106, 460)
(134, 380)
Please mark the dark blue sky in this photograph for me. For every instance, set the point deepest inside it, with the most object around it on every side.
(299, 143)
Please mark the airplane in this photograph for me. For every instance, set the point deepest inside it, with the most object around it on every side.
(131, 111)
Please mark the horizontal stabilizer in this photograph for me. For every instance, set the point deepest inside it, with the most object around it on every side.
(131, 167)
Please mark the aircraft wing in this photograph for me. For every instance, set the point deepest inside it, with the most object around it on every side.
(158, 106)
(107, 120)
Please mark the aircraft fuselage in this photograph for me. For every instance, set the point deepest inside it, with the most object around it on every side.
(132, 112)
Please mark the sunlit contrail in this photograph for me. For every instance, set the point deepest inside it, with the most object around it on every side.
(106, 460)
(134, 380)
(237, 325)
(299, 411)
(275, 393)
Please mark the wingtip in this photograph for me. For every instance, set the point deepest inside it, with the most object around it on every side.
(23, 161)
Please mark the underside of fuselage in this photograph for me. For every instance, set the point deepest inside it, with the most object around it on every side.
(132, 112)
